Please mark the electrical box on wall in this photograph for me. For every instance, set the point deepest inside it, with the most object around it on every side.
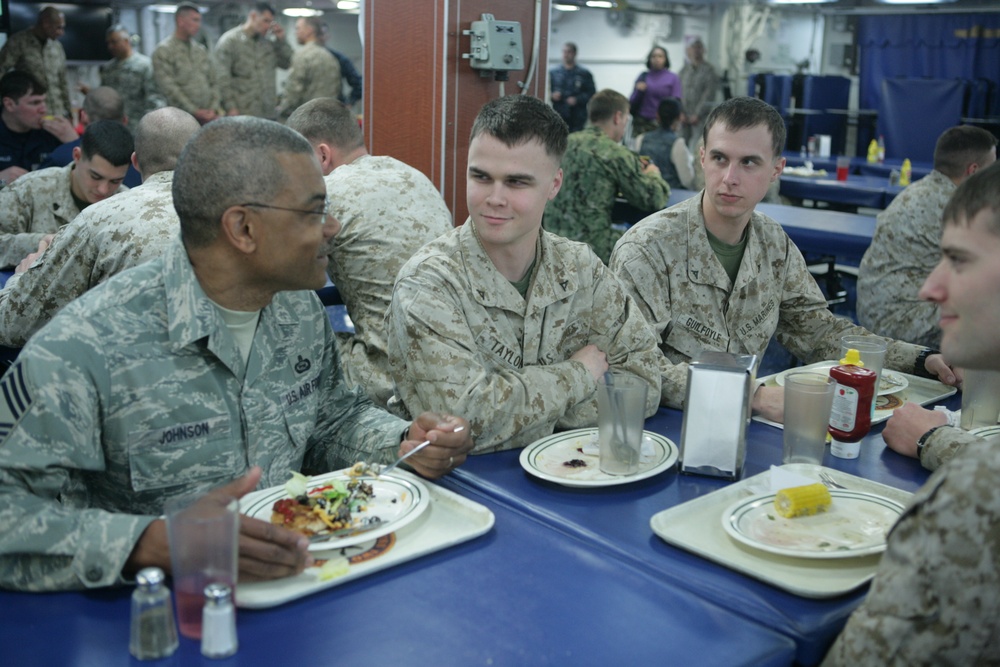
(496, 46)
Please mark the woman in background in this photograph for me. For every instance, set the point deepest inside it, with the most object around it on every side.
(653, 86)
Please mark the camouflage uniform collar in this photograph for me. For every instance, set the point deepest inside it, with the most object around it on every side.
(158, 179)
(699, 247)
(552, 281)
(63, 205)
(190, 314)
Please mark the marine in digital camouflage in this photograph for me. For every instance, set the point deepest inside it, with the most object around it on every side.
(700, 84)
(185, 76)
(314, 73)
(34, 205)
(904, 251)
(595, 170)
(106, 238)
(667, 265)
(137, 393)
(934, 599)
(133, 79)
(47, 63)
(387, 210)
(245, 71)
(462, 339)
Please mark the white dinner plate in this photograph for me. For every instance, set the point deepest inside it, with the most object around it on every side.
(892, 382)
(396, 501)
(547, 459)
(855, 524)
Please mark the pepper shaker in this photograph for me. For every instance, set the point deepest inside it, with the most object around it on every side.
(218, 624)
(153, 631)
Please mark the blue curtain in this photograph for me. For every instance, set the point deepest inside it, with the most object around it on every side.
(913, 113)
(939, 46)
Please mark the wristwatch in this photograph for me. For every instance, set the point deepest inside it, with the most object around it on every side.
(919, 366)
(923, 441)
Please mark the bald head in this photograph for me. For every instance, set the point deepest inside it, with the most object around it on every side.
(328, 120)
(161, 137)
(104, 103)
(51, 23)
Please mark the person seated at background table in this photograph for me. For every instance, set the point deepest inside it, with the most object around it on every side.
(711, 273)
(667, 149)
(596, 168)
(112, 235)
(386, 210)
(27, 135)
(39, 203)
(905, 247)
(213, 364)
(101, 103)
(502, 321)
(935, 599)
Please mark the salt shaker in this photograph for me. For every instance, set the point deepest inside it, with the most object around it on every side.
(218, 623)
(153, 632)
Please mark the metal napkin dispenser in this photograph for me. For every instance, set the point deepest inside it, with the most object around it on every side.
(716, 413)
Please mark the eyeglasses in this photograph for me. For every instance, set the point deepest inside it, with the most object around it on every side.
(324, 212)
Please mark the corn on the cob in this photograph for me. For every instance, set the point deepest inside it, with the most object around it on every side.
(802, 500)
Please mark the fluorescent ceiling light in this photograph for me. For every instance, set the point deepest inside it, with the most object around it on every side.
(301, 12)
(164, 9)
(600, 4)
(800, 2)
(348, 4)
(567, 8)
(915, 2)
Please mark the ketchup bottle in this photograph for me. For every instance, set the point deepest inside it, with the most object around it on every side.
(851, 416)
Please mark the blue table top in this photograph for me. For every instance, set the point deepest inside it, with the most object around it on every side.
(617, 519)
(525, 593)
(867, 191)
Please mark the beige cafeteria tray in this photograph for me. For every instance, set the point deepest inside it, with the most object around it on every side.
(696, 526)
(450, 520)
(920, 390)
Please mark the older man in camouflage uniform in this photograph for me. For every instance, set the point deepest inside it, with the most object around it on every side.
(246, 59)
(713, 274)
(700, 85)
(131, 74)
(37, 51)
(596, 168)
(387, 210)
(183, 69)
(503, 321)
(106, 238)
(37, 204)
(214, 363)
(315, 72)
(905, 248)
(935, 599)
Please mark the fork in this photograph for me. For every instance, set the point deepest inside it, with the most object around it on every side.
(830, 481)
(410, 453)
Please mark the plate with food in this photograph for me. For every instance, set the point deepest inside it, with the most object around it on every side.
(813, 522)
(571, 458)
(341, 509)
(891, 382)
